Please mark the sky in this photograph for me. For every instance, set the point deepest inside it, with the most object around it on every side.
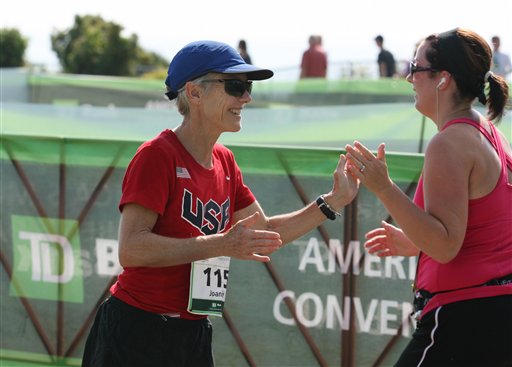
(276, 31)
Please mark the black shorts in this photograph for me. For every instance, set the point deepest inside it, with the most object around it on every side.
(476, 332)
(126, 336)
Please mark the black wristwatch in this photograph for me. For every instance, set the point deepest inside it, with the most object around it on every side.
(329, 212)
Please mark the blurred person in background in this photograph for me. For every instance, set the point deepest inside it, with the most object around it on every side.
(314, 59)
(185, 211)
(501, 64)
(242, 50)
(460, 220)
(385, 60)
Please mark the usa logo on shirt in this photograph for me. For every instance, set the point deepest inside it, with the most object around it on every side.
(209, 217)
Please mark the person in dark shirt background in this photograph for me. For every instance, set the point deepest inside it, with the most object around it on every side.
(386, 61)
(242, 50)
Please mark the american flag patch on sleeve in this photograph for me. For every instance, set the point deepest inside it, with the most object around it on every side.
(182, 172)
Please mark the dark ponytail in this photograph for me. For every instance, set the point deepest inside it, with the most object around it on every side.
(497, 97)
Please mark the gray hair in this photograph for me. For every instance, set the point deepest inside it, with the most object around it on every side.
(182, 100)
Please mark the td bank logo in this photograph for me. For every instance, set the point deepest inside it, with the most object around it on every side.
(46, 264)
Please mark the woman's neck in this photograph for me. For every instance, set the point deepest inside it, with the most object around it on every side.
(456, 113)
(197, 143)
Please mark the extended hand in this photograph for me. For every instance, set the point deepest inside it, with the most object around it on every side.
(246, 243)
(345, 186)
(389, 240)
(371, 170)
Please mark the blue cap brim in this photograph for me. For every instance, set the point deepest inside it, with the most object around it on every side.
(252, 72)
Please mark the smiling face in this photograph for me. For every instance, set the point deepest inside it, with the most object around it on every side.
(220, 109)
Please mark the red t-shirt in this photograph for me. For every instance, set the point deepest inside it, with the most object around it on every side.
(314, 62)
(190, 201)
(486, 252)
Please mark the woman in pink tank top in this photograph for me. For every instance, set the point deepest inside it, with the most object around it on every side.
(460, 221)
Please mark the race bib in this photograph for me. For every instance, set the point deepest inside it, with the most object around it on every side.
(208, 286)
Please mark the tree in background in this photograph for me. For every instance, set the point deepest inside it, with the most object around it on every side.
(150, 62)
(95, 46)
(12, 48)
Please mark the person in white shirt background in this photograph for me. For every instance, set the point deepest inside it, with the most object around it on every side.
(501, 64)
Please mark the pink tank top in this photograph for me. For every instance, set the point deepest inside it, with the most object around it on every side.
(486, 252)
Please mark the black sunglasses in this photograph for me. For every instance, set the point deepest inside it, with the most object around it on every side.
(233, 87)
(414, 69)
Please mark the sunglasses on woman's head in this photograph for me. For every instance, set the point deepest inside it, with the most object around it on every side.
(233, 87)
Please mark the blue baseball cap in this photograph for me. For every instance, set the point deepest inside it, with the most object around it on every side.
(202, 57)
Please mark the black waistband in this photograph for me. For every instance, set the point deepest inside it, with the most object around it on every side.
(422, 296)
(497, 281)
(125, 307)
